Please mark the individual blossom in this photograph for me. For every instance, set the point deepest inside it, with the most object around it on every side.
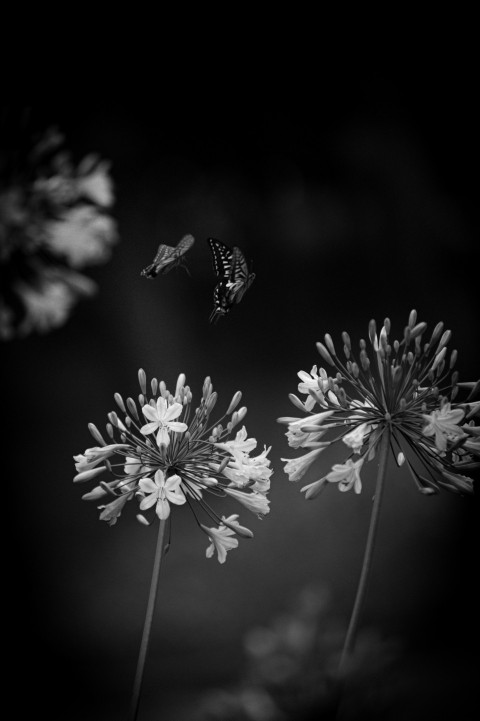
(165, 454)
(55, 220)
(347, 475)
(222, 538)
(402, 391)
(243, 470)
(161, 492)
(161, 420)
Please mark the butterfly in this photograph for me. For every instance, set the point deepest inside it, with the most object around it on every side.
(234, 277)
(167, 257)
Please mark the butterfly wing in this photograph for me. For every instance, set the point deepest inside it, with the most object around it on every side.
(168, 257)
(162, 258)
(240, 277)
(183, 245)
(222, 258)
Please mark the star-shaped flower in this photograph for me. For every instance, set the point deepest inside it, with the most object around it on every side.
(161, 491)
(161, 418)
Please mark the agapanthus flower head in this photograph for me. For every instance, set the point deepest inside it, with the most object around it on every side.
(406, 388)
(166, 455)
(54, 221)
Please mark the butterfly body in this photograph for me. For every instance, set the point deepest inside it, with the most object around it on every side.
(168, 257)
(234, 277)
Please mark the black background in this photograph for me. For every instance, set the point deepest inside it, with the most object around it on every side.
(356, 197)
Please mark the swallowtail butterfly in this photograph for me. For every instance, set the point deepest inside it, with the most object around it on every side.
(234, 277)
(168, 257)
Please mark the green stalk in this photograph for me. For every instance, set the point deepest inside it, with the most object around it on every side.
(137, 686)
(367, 558)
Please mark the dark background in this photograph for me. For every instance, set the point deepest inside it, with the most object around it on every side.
(356, 199)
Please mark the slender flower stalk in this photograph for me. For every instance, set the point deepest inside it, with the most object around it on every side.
(166, 455)
(398, 398)
(152, 596)
(367, 559)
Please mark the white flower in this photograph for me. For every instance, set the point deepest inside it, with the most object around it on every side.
(297, 467)
(240, 443)
(443, 425)
(347, 475)
(254, 472)
(161, 491)
(82, 235)
(94, 181)
(255, 502)
(53, 219)
(93, 456)
(354, 439)
(162, 417)
(313, 380)
(299, 438)
(221, 539)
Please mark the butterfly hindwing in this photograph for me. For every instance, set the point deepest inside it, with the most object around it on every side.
(167, 257)
(240, 277)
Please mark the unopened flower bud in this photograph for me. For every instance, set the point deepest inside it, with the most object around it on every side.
(142, 379)
(444, 339)
(88, 475)
(95, 494)
(119, 402)
(239, 530)
(234, 402)
(132, 408)
(96, 434)
(324, 353)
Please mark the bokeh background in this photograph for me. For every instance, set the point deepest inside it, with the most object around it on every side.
(356, 200)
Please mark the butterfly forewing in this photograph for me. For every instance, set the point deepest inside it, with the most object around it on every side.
(167, 257)
(222, 258)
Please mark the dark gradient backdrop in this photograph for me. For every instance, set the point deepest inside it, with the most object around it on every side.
(359, 202)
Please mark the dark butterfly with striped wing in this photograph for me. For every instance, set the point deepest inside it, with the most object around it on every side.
(234, 277)
(168, 257)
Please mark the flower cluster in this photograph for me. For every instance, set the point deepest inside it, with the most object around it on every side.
(168, 455)
(53, 223)
(405, 389)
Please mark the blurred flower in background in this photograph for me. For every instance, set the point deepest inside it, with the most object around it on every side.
(291, 664)
(54, 221)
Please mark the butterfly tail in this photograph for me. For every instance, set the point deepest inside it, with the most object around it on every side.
(214, 316)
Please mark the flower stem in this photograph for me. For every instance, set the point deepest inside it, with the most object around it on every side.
(367, 559)
(137, 686)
